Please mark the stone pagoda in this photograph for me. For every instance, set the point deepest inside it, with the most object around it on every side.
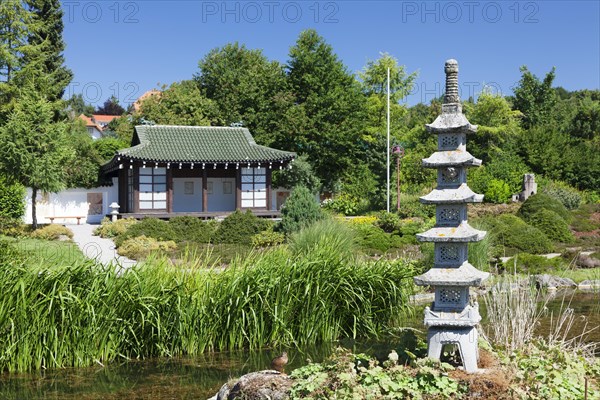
(452, 317)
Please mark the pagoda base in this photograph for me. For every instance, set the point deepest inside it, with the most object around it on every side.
(465, 338)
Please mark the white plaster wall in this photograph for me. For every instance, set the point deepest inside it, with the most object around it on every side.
(71, 202)
(219, 201)
(187, 202)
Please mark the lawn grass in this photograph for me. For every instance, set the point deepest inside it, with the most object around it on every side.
(52, 252)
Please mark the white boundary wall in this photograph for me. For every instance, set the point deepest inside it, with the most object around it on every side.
(72, 203)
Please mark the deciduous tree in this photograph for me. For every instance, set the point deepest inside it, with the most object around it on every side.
(33, 148)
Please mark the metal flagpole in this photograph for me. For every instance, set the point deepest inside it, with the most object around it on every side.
(388, 140)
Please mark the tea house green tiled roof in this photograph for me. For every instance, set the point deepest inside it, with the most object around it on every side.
(198, 144)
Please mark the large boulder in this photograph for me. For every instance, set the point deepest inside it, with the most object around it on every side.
(549, 281)
(262, 385)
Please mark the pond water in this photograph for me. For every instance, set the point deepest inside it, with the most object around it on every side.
(201, 377)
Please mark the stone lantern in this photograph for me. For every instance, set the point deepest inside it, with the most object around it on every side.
(452, 317)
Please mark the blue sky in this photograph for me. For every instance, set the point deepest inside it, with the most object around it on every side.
(128, 47)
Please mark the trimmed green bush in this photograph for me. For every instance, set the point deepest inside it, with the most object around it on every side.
(52, 232)
(13, 227)
(552, 225)
(299, 211)
(108, 229)
(12, 196)
(239, 228)
(512, 232)
(150, 227)
(142, 246)
(541, 201)
(192, 229)
(268, 238)
(497, 191)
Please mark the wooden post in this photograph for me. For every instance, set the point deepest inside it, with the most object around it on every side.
(238, 189)
(169, 190)
(268, 172)
(123, 201)
(136, 188)
(204, 191)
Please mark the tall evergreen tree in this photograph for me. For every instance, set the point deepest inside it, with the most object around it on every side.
(47, 34)
(326, 122)
(15, 24)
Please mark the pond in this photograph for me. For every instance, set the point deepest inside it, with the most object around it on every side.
(201, 377)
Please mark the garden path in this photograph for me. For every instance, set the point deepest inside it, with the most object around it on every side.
(95, 247)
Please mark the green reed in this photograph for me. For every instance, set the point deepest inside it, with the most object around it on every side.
(85, 313)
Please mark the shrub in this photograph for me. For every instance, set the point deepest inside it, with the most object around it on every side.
(497, 191)
(268, 238)
(140, 247)
(411, 207)
(12, 227)
(388, 221)
(52, 232)
(564, 193)
(239, 227)
(526, 263)
(552, 225)
(299, 210)
(330, 233)
(150, 227)
(512, 232)
(108, 229)
(372, 239)
(192, 229)
(12, 204)
(345, 204)
(541, 201)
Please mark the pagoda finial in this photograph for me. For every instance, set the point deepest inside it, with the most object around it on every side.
(451, 69)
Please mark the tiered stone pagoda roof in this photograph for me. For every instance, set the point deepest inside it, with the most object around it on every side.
(462, 233)
(465, 275)
(451, 158)
(462, 194)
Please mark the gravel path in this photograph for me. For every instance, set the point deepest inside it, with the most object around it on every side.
(103, 250)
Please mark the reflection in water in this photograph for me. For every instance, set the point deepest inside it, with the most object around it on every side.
(201, 377)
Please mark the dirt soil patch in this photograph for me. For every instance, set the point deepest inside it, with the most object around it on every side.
(492, 383)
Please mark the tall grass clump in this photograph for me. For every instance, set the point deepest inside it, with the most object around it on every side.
(515, 309)
(86, 313)
(331, 232)
(513, 313)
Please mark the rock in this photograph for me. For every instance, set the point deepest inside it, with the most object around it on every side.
(590, 285)
(269, 384)
(585, 261)
(549, 281)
